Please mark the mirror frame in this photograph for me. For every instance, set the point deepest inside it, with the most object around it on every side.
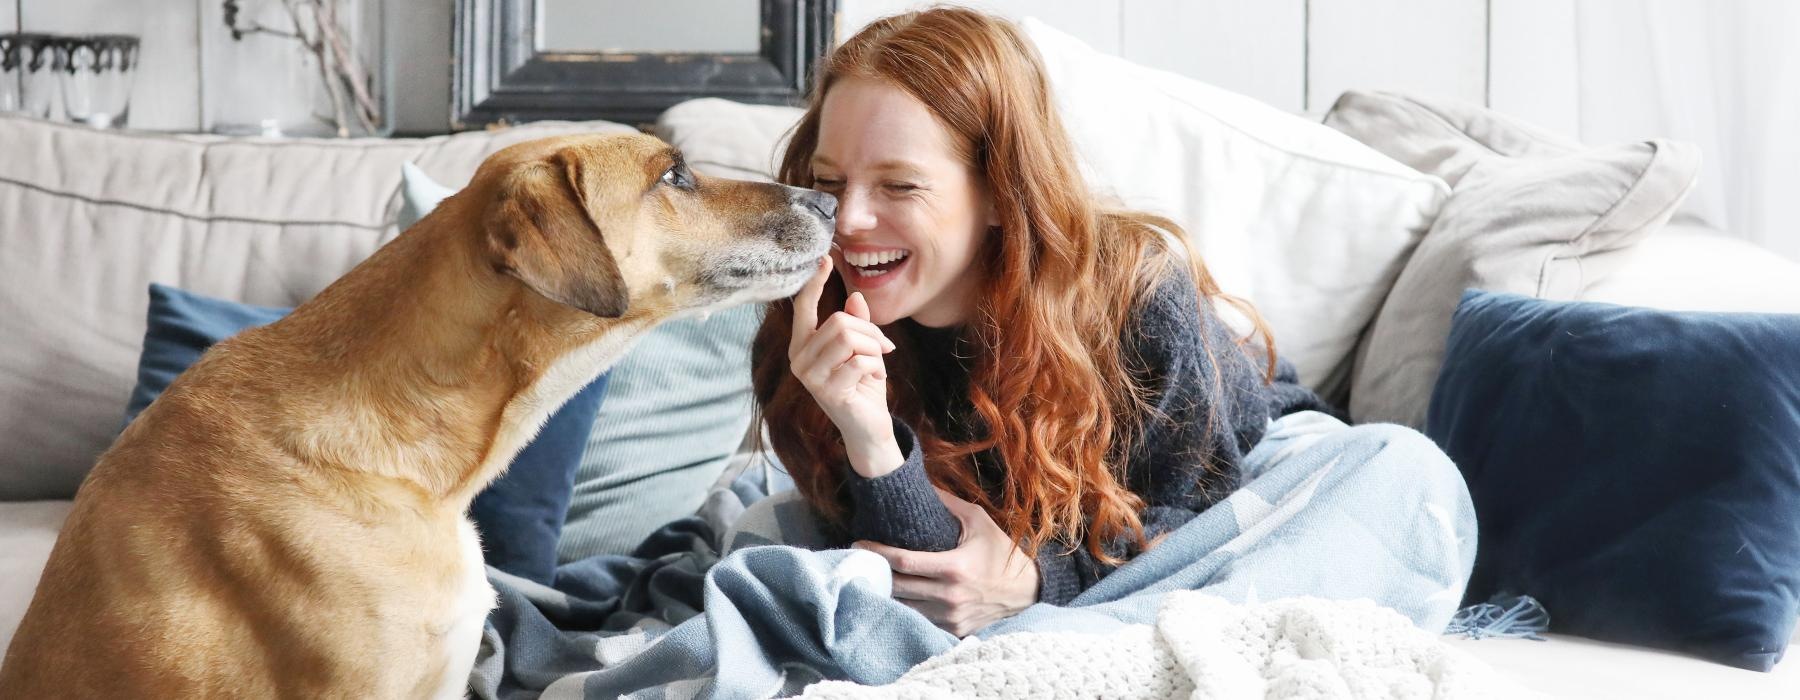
(501, 76)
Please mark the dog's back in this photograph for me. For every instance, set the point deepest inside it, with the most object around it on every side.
(208, 563)
(287, 520)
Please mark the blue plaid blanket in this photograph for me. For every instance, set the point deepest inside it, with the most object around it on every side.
(1330, 511)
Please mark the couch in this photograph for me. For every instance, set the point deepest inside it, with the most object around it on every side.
(89, 218)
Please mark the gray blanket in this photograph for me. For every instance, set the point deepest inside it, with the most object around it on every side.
(1371, 512)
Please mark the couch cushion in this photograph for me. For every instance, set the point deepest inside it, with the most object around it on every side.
(27, 533)
(180, 326)
(88, 219)
(1572, 667)
(729, 139)
(1525, 216)
(1304, 222)
(1689, 267)
(1636, 470)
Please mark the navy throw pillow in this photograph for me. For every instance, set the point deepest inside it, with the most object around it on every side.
(1636, 470)
(520, 515)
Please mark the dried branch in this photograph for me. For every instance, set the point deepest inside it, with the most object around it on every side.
(350, 70)
(339, 67)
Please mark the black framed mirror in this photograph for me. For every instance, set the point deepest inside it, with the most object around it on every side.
(626, 60)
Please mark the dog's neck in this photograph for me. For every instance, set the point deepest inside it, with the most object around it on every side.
(454, 369)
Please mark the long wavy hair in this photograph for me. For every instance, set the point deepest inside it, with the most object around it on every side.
(1050, 385)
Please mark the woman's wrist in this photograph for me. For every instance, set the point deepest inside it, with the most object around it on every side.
(876, 456)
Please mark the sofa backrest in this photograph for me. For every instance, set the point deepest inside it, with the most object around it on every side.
(88, 219)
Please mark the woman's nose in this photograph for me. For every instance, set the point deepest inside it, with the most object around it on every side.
(854, 214)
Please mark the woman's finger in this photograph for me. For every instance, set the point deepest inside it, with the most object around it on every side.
(920, 588)
(906, 561)
(971, 515)
(828, 351)
(857, 306)
(845, 321)
(843, 324)
(852, 372)
(934, 611)
(806, 303)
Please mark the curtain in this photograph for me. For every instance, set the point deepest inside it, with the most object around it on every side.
(1725, 75)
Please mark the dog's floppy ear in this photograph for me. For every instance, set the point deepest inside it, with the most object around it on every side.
(539, 231)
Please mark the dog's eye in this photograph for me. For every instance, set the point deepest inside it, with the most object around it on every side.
(677, 176)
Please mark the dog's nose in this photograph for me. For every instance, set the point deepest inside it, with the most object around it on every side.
(824, 204)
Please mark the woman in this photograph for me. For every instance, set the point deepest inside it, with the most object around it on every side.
(997, 383)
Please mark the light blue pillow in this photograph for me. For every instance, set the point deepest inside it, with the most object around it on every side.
(677, 406)
(419, 194)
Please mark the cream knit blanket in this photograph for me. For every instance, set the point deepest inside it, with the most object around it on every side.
(1205, 647)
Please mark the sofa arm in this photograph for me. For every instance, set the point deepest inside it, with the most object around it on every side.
(1693, 268)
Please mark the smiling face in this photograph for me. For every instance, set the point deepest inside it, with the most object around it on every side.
(912, 212)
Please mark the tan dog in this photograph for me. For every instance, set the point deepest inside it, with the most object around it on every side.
(288, 519)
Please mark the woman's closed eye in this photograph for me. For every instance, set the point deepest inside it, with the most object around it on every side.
(828, 184)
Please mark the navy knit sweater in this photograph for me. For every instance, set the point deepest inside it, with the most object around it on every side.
(1165, 465)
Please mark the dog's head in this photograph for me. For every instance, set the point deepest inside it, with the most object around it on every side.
(618, 224)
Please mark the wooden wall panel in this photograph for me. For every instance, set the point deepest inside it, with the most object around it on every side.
(1253, 48)
(418, 38)
(1533, 67)
(1435, 48)
(1093, 21)
(1295, 54)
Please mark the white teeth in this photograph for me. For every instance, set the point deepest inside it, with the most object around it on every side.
(867, 259)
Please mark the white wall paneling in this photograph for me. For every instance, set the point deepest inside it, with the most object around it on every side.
(166, 89)
(1295, 54)
(1253, 48)
(1093, 21)
(1519, 56)
(1435, 48)
(1533, 69)
(418, 39)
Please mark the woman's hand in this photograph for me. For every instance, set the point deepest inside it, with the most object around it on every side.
(840, 363)
(986, 578)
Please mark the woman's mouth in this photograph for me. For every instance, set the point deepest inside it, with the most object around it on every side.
(876, 266)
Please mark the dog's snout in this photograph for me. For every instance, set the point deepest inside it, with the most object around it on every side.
(805, 225)
(824, 204)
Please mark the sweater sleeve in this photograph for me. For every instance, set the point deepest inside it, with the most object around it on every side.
(1207, 406)
(901, 508)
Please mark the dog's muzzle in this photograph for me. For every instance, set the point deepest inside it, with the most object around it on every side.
(800, 233)
(820, 203)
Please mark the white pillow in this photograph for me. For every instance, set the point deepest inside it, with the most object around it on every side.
(1532, 214)
(729, 139)
(1307, 223)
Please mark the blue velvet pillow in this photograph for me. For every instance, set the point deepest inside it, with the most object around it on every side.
(1637, 471)
(520, 515)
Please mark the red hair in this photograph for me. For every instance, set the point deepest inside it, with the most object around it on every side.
(1059, 281)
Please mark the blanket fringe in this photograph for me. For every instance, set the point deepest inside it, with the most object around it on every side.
(1503, 616)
